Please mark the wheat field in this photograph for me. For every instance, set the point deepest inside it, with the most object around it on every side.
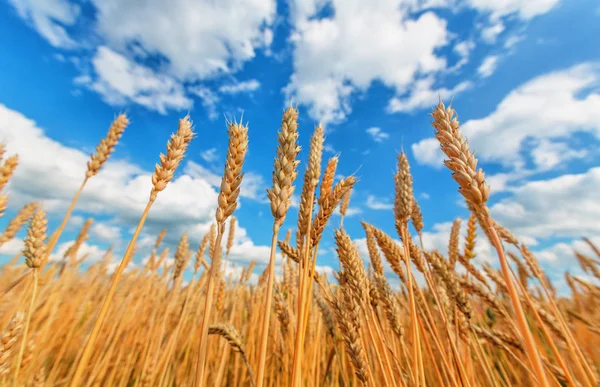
(451, 323)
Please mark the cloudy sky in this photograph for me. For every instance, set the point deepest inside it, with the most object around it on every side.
(524, 76)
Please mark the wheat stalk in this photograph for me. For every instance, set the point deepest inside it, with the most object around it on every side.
(97, 160)
(463, 164)
(163, 173)
(227, 203)
(284, 175)
(35, 254)
(307, 199)
(403, 209)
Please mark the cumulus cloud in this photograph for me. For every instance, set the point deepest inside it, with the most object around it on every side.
(187, 41)
(428, 152)
(565, 206)
(338, 55)
(106, 232)
(549, 107)
(49, 18)
(198, 38)
(394, 42)
(120, 81)
(549, 154)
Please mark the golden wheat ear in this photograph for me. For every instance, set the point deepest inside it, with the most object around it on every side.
(227, 203)
(163, 174)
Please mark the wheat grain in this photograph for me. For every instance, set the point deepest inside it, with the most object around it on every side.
(17, 222)
(35, 250)
(107, 145)
(8, 339)
(284, 171)
(470, 240)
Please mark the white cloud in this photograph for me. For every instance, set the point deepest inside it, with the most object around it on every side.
(362, 42)
(524, 9)
(92, 252)
(240, 87)
(254, 187)
(565, 206)
(552, 106)
(199, 38)
(490, 33)
(549, 154)
(187, 40)
(106, 232)
(120, 81)
(350, 212)
(12, 247)
(210, 155)
(559, 258)
(375, 203)
(498, 182)
(562, 253)
(428, 152)
(512, 41)
(422, 94)
(329, 149)
(197, 171)
(463, 49)
(49, 18)
(488, 66)
(377, 134)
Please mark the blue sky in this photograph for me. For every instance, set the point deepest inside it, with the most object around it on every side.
(524, 76)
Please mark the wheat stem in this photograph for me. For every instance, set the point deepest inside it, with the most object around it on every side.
(531, 349)
(34, 280)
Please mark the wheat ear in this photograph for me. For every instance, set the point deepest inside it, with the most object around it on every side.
(472, 186)
(97, 160)
(233, 338)
(17, 222)
(35, 254)
(227, 203)
(163, 173)
(403, 209)
(284, 174)
(307, 199)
